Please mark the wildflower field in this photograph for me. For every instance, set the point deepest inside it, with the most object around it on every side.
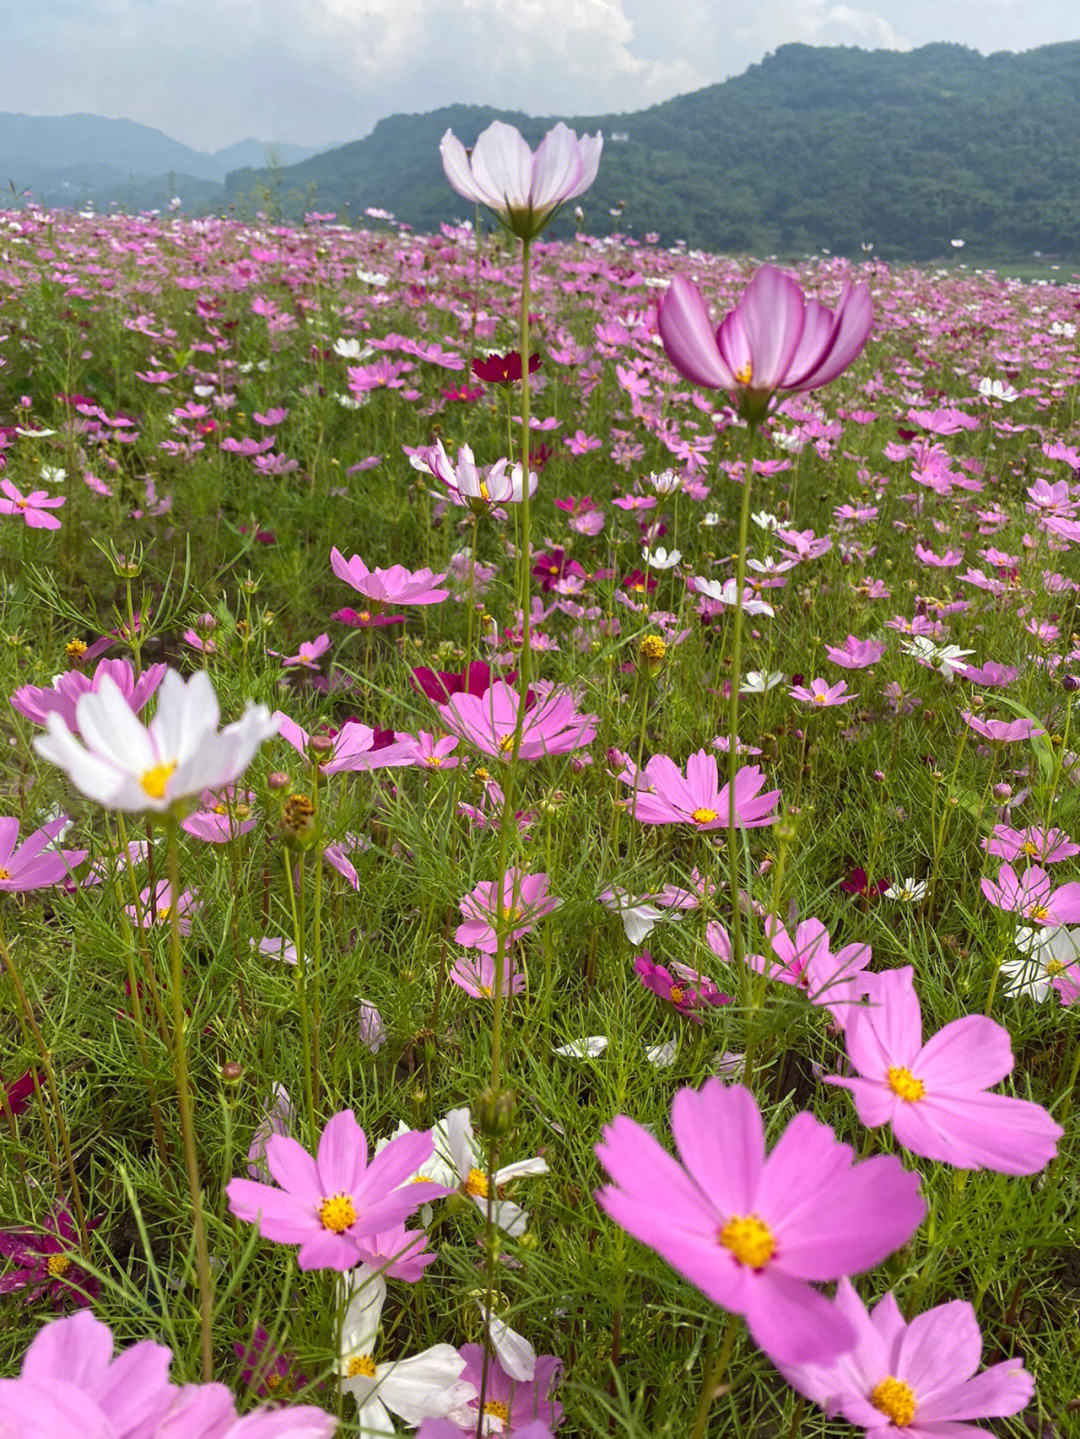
(589, 945)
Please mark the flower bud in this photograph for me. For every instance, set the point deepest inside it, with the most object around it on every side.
(495, 1112)
(278, 780)
(298, 827)
(231, 1073)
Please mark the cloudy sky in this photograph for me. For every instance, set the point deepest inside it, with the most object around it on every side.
(319, 72)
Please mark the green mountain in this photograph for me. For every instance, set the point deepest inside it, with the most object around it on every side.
(812, 148)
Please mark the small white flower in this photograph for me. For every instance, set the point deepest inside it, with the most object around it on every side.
(52, 474)
(589, 1048)
(765, 521)
(660, 559)
(666, 482)
(710, 519)
(1047, 953)
(637, 915)
(910, 891)
(998, 390)
(662, 1055)
(759, 682)
(352, 350)
(727, 594)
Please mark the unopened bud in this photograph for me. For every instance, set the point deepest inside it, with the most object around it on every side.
(278, 780)
(495, 1112)
(231, 1073)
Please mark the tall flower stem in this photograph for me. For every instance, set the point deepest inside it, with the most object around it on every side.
(714, 1372)
(526, 566)
(301, 997)
(733, 702)
(183, 1096)
(11, 968)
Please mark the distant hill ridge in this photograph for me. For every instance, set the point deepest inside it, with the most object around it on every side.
(813, 147)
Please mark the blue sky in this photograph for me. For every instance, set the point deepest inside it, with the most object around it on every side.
(318, 72)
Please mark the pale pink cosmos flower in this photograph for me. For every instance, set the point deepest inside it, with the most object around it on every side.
(479, 491)
(755, 1232)
(774, 339)
(663, 795)
(34, 508)
(807, 961)
(474, 972)
(431, 753)
(355, 747)
(1002, 731)
(916, 1378)
(934, 1095)
(1047, 846)
(333, 1203)
(525, 899)
(1032, 895)
(820, 692)
(223, 816)
(156, 907)
(308, 655)
(388, 588)
(37, 862)
(553, 726)
(524, 191)
(855, 654)
(62, 697)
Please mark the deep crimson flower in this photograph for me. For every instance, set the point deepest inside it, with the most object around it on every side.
(439, 685)
(551, 566)
(503, 369)
(16, 1095)
(47, 1263)
(858, 882)
(637, 583)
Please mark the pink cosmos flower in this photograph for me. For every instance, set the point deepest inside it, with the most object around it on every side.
(525, 899)
(355, 746)
(1032, 895)
(524, 191)
(37, 862)
(308, 655)
(479, 491)
(156, 907)
(474, 972)
(518, 1407)
(663, 796)
(552, 726)
(440, 685)
(33, 508)
(1002, 731)
(855, 654)
(820, 692)
(388, 588)
(774, 339)
(267, 1371)
(934, 1094)
(48, 1262)
(918, 1379)
(1047, 846)
(63, 695)
(805, 959)
(431, 753)
(754, 1232)
(331, 1204)
(223, 816)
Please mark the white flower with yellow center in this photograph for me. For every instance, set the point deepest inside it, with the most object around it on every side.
(126, 765)
(424, 1386)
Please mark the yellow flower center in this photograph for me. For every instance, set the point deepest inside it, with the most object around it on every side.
(511, 916)
(58, 1265)
(1029, 848)
(154, 780)
(896, 1400)
(337, 1212)
(164, 910)
(1055, 966)
(749, 1239)
(481, 775)
(653, 647)
(221, 809)
(365, 615)
(1038, 911)
(278, 1384)
(4, 873)
(703, 816)
(485, 493)
(819, 699)
(498, 1410)
(677, 995)
(434, 760)
(476, 1184)
(75, 649)
(904, 1083)
(506, 744)
(745, 374)
(363, 1366)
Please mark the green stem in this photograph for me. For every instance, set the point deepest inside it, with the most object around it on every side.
(301, 1000)
(525, 467)
(183, 1096)
(733, 703)
(713, 1374)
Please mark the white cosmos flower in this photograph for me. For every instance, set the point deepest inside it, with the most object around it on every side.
(590, 1047)
(666, 482)
(126, 765)
(660, 559)
(758, 682)
(513, 1350)
(1047, 953)
(911, 891)
(998, 390)
(424, 1386)
(765, 521)
(638, 915)
(726, 594)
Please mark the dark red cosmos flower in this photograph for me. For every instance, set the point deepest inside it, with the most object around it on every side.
(267, 1371)
(48, 1263)
(858, 882)
(503, 369)
(550, 566)
(439, 685)
(637, 584)
(16, 1095)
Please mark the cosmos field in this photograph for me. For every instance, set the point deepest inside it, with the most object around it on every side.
(429, 1020)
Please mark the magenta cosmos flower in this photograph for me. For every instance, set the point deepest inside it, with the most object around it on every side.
(388, 588)
(524, 191)
(62, 697)
(37, 862)
(1032, 895)
(525, 899)
(754, 1232)
(774, 339)
(662, 795)
(552, 726)
(916, 1378)
(821, 692)
(934, 1094)
(331, 1204)
(48, 1263)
